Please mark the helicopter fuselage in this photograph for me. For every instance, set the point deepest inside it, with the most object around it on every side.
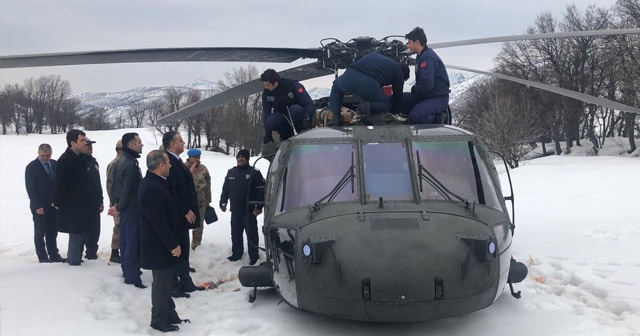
(392, 223)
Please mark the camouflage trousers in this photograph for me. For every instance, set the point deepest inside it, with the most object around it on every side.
(197, 233)
(115, 237)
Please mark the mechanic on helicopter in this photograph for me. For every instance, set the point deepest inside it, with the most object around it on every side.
(285, 105)
(365, 78)
(428, 100)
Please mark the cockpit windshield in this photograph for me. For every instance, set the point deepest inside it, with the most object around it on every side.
(312, 172)
(386, 171)
(457, 166)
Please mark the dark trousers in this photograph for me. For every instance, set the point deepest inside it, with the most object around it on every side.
(45, 233)
(163, 309)
(92, 236)
(423, 111)
(74, 251)
(130, 245)
(182, 278)
(244, 222)
(279, 122)
(367, 88)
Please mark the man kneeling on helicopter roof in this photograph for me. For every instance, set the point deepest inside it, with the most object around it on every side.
(285, 105)
(428, 100)
(366, 78)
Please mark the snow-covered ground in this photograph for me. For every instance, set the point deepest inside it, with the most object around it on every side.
(577, 226)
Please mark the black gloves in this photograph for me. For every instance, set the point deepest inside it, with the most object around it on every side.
(306, 124)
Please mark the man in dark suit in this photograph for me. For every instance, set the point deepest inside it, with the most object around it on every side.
(71, 195)
(39, 176)
(184, 194)
(160, 239)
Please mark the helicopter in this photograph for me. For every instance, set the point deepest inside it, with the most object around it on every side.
(390, 223)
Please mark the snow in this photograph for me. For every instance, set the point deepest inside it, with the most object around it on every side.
(577, 226)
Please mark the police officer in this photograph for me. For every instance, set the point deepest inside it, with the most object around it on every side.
(365, 78)
(243, 183)
(429, 97)
(285, 104)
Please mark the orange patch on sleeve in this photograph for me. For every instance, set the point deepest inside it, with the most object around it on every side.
(423, 64)
(300, 90)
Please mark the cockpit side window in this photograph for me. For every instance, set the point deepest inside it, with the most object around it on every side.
(450, 163)
(386, 171)
(312, 172)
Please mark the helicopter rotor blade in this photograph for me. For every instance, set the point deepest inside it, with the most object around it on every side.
(524, 37)
(300, 73)
(270, 55)
(564, 92)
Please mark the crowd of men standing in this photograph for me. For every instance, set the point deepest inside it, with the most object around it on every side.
(152, 214)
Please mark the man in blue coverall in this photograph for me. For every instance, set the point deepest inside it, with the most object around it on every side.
(429, 97)
(365, 78)
(285, 104)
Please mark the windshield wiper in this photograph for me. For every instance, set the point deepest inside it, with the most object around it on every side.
(426, 175)
(349, 176)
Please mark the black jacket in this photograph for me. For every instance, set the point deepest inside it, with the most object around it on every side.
(159, 223)
(289, 92)
(183, 190)
(39, 185)
(240, 182)
(95, 187)
(126, 179)
(71, 193)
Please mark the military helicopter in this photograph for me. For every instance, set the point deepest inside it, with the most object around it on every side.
(386, 223)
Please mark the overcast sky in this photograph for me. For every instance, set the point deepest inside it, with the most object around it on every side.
(44, 26)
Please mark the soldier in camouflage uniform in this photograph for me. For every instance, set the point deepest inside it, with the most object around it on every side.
(115, 237)
(202, 181)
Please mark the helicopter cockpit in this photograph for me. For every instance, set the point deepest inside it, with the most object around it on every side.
(332, 172)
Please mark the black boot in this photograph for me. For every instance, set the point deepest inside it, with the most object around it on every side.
(115, 256)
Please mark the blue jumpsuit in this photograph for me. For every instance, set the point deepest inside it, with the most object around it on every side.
(365, 78)
(290, 97)
(430, 95)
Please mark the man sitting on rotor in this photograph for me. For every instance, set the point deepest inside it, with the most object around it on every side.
(285, 105)
(429, 98)
(365, 78)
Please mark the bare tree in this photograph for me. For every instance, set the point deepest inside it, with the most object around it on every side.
(242, 117)
(508, 127)
(137, 113)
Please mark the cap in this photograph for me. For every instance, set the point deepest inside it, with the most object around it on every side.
(194, 152)
(89, 141)
(244, 153)
(119, 144)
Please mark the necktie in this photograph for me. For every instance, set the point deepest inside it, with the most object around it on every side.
(47, 167)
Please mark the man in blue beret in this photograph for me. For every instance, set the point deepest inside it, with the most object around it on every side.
(202, 181)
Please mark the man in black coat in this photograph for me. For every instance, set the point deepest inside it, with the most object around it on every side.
(124, 195)
(96, 202)
(243, 183)
(39, 177)
(184, 194)
(160, 239)
(71, 195)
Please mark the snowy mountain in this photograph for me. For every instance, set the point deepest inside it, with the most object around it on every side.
(117, 102)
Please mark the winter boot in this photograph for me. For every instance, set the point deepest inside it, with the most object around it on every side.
(115, 256)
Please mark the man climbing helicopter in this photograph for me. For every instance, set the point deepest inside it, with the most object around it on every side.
(286, 106)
